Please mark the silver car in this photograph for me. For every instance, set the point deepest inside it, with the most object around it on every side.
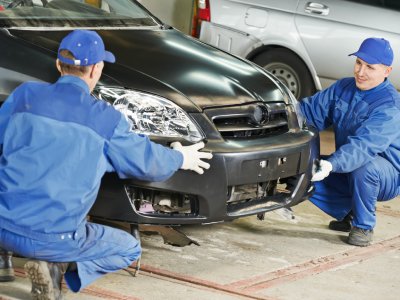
(305, 44)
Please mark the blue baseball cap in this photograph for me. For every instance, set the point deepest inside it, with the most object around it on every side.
(87, 48)
(375, 51)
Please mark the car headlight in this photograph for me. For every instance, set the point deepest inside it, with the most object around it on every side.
(150, 114)
(294, 106)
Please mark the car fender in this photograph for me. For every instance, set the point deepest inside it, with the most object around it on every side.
(268, 44)
(236, 35)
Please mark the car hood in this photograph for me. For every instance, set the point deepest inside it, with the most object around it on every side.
(168, 63)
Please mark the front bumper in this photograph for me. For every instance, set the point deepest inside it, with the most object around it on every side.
(217, 196)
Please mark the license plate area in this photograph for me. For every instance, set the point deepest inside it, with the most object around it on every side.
(266, 169)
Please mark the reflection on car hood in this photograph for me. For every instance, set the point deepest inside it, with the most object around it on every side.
(176, 66)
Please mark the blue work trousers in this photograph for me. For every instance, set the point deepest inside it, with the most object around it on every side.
(96, 249)
(358, 191)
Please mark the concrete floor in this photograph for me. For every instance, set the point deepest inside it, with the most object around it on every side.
(280, 258)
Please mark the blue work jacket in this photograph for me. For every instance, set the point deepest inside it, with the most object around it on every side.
(58, 141)
(366, 123)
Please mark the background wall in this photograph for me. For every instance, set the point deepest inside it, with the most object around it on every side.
(177, 13)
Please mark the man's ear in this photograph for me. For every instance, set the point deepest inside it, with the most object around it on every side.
(93, 70)
(388, 70)
(58, 66)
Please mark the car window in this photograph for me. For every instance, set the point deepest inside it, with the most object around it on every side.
(390, 4)
(73, 13)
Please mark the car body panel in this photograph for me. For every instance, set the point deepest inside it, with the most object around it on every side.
(228, 30)
(323, 42)
(207, 89)
(329, 39)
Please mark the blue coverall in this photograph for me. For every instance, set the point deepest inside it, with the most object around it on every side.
(57, 142)
(366, 163)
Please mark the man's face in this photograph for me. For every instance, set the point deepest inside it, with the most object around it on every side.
(368, 75)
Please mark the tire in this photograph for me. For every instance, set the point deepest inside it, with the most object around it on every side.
(289, 69)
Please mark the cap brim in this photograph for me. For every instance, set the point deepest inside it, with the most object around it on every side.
(109, 57)
(365, 57)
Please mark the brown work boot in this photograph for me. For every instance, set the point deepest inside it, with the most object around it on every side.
(46, 279)
(360, 237)
(6, 268)
(343, 225)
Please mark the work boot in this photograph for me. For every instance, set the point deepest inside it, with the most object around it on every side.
(343, 225)
(6, 268)
(360, 237)
(46, 278)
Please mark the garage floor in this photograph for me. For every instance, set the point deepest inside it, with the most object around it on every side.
(284, 257)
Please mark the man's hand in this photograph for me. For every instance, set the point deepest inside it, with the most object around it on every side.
(321, 170)
(192, 157)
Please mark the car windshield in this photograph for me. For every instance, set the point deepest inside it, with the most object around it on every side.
(73, 13)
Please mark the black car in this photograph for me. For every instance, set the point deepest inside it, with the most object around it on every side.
(173, 88)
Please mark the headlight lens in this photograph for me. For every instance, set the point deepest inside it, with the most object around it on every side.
(150, 114)
(294, 105)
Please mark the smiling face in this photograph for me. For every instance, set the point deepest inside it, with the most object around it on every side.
(368, 75)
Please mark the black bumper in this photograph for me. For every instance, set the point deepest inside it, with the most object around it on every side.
(234, 164)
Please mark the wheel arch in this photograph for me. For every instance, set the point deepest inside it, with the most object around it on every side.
(266, 48)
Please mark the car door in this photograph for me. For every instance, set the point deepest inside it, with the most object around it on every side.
(331, 29)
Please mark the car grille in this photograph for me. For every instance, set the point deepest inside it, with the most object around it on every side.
(250, 121)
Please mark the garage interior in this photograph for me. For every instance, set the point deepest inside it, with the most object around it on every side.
(286, 256)
(289, 255)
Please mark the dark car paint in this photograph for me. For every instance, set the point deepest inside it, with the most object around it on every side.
(227, 169)
(201, 80)
(213, 78)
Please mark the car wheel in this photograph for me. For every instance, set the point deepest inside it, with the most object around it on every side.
(290, 69)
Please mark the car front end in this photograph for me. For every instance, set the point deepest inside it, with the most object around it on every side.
(262, 154)
(174, 88)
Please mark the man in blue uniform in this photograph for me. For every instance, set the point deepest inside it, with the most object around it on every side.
(364, 112)
(57, 142)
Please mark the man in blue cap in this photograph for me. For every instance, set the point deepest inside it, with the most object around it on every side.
(364, 111)
(57, 142)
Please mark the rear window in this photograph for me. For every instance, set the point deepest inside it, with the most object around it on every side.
(74, 13)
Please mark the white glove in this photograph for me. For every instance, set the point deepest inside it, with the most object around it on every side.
(192, 156)
(322, 170)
